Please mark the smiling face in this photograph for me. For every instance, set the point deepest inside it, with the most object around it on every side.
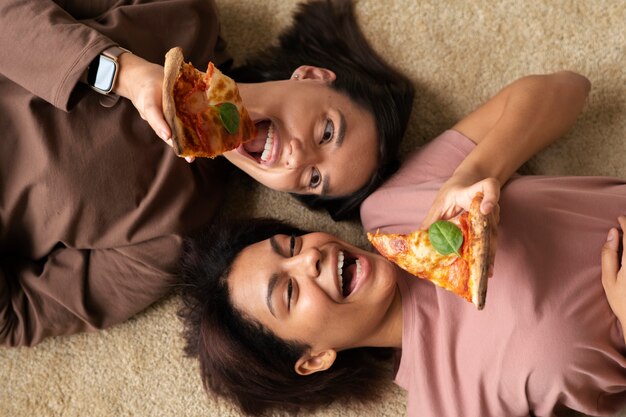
(317, 290)
(311, 138)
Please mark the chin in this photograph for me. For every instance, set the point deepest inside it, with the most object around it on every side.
(386, 272)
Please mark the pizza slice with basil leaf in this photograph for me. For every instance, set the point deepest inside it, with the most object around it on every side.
(204, 110)
(455, 254)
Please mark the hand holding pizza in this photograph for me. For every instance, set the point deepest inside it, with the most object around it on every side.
(456, 255)
(141, 82)
(614, 275)
(456, 195)
(204, 109)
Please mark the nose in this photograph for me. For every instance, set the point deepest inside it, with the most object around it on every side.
(298, 155)
(307, 263)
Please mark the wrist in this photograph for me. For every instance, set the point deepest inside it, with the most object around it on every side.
(104, 69)
(468, 175)
(478, 167)
(129, 67)
(138, 77)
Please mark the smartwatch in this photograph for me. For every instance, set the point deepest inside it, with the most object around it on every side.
(102, 72)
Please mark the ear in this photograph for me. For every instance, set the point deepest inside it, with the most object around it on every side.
(310, 363)
(308, 72)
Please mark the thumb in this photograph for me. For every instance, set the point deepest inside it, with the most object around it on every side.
(490, 188)
(154, 117)
(432, 216)
(609, 258)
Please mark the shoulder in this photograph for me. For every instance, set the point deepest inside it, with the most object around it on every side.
(438, 158)
(405, 198)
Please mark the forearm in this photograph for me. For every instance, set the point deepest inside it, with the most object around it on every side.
(44, 49)
(520, 121)
(72, 291)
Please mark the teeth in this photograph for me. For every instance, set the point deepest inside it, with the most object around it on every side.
(340, 258)
(358, 269)
(267, 149)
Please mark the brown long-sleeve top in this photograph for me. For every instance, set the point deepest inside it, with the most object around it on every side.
(92, 202)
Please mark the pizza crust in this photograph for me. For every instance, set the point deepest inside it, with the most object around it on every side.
(174, 60)
(480, 227)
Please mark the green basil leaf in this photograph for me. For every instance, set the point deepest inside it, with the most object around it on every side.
(229, 115)
(446, 237)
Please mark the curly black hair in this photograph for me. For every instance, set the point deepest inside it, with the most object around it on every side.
(242, 360)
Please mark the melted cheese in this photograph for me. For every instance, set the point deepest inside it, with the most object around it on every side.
(415, 254)
(195, 95)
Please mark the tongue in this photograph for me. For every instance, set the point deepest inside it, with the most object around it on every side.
(349, 277)
(258, 143)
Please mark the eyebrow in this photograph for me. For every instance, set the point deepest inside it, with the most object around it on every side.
(270, 290)
(338, 142)
(273, 279)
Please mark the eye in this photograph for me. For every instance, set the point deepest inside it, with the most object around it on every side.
(329, 132)
(289, 293)
(292, 244)
(316, 178)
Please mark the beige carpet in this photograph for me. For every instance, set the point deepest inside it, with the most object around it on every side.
(459, 53)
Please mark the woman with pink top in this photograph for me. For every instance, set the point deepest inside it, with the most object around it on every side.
(294, 321)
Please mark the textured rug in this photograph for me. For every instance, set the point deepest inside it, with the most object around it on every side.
(459, 53)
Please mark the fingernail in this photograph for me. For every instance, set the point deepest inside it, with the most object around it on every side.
(611, 236)
(163, 135)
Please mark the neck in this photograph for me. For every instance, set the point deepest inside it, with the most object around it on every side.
(390, 330)
(395, 323)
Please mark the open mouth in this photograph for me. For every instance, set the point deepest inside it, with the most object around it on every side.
(261, 148)
(349, 271)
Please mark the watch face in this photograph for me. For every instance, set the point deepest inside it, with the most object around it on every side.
(101, 73)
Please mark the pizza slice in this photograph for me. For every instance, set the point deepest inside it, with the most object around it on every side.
(204, 110)
(465, 275)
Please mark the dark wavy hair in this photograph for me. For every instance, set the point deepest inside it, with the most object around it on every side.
(325, 33)
(242, 360)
